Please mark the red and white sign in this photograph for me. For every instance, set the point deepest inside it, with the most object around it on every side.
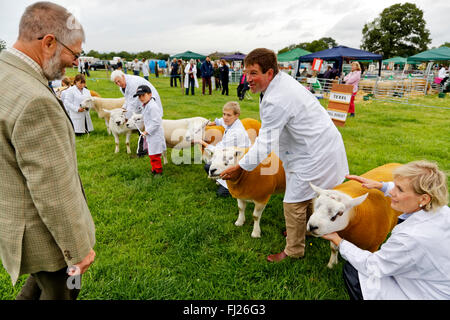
(317, 64)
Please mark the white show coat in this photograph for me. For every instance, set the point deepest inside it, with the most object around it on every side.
(186, 77)
(299, 130)
(153, 114)
(234, 136)
(442, 73)
(145, 69)
(72, 100)
(414, 263)
(133, 104)
(62, 96)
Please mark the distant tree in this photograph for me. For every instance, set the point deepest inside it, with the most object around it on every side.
(400, 30)
(2, 45)
(447, 44)
(314, 46)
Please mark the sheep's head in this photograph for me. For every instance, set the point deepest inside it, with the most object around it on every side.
(87, 103)
(224, 158)
(117, 117)
(196, 129)
(136, 121)
(331, 211)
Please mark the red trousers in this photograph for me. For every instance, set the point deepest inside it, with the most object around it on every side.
(155, 161)
(352, 103)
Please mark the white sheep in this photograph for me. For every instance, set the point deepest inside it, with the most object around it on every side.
(101, 104)
(117, 125)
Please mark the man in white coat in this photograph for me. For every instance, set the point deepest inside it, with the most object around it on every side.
(296, 127)
(128, 85)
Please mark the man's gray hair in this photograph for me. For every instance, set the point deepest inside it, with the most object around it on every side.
(116, 74)
(42, 18)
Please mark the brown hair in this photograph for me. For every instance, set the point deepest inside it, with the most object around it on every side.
(265, 58)
(79, 77)
(66, 81)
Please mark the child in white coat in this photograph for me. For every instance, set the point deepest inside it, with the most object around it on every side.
(153, 132)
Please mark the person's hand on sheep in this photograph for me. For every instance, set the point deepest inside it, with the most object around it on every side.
(366, 183)
(144, 133)
(333, 237)
(80, 109)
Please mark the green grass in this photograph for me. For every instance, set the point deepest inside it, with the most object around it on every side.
(172, 238)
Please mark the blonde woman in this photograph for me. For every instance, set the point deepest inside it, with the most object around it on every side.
(414, 263)
(353, 79)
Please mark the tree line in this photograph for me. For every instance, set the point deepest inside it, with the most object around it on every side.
(128, 56)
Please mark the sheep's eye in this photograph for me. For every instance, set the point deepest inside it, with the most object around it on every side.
(340, 213)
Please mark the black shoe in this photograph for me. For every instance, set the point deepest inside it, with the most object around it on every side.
(352, 115)
(223, 192)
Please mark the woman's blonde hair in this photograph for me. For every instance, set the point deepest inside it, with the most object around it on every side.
(426, 178)
(358, 66)
(233, 106)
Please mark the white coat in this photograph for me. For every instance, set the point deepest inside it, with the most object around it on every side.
(299, 130)
(186, 77)
(133, 104)
(414, 263)
(145, 69)
(72, 100)
(153, 114)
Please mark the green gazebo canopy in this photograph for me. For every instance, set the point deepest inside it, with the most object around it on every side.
(438, 54)
(188, 55)
(395, 60)
(292, 55)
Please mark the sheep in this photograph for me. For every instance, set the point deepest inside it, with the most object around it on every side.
(362, 216)
(101, 104)
(117, 125)
(251, 186)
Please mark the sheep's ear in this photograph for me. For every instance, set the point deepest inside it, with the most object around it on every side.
(317, 189)
(107, 111)
(209, 152)
(357, 201)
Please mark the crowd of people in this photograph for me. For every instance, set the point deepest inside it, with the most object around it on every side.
(47, 229)
(216, 73)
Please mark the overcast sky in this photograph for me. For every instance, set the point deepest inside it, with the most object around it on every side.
(206, 26)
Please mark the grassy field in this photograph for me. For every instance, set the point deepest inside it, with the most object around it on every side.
(173, 238)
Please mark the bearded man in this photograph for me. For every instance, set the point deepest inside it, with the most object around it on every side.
(46, 229)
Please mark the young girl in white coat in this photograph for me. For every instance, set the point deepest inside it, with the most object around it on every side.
(154, 133)
(80, 117)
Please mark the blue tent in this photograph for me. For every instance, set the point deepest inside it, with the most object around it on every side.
(341, 53)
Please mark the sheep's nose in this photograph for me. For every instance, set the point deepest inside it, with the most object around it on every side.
(211, 171)
(311, 228)
(118, 123)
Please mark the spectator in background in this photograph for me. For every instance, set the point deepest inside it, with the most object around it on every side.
(136, 67)
(181, 67)
(207, 72)
(353, 79)
(174, 67)
(190, 79)
(119, 65)
(156, 69)
(224, 76)
(145, 68)
(217, 75)
(86, 69)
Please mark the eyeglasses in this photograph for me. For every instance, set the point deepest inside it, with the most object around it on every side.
(76, 56)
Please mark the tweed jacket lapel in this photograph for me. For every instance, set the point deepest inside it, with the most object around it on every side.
(22, 65)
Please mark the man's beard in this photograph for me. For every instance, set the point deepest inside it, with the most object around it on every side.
(53, 68)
